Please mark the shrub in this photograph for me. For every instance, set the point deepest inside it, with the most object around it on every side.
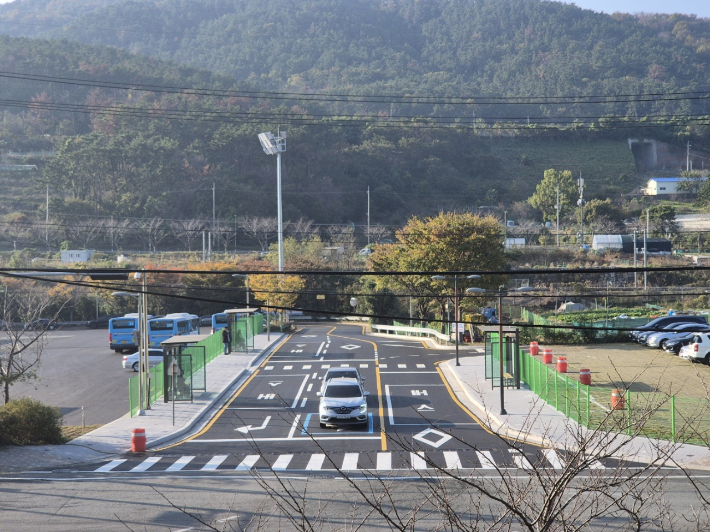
(28, 422)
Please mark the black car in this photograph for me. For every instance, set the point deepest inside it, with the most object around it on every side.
(42, 324)
(674, 346)
(101, 322)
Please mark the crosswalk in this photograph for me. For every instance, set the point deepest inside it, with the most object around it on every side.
(348, 462)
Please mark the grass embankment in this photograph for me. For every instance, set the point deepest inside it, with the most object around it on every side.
(73, 432)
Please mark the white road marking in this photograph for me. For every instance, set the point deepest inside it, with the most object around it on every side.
(145, 464)
(520, 459)
(181, 463)
(384, 461)
(553, 458)
(421, 365)
(442, 437)
(300, 391)
(325, 366)
(303, 403)
(453, 461)
(214, 463)
(486, 459)
(282, 462)
(248, 462)
(287, 367)
(344, 365)
(108, 467)
(350, 462)
(294, 426)
(316, 462)
(403, 366)
(383, 366)
(364, 365)
(307, 366)
(310, 387)
(268, 368)
(319, 349)
(417, 460)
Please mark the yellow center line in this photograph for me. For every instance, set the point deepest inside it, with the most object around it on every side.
(383, 435)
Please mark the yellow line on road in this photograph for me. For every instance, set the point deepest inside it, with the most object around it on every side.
(383, 435)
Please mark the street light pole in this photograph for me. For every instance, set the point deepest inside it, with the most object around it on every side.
(274, 146)
(500, 351)
(456, 308)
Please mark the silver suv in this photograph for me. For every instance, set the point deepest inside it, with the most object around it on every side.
(341, 372)
(342, 402)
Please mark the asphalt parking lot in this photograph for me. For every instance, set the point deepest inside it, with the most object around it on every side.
(636, 368)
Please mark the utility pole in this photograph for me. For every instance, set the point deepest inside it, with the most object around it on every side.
(581, 203)
(368, 214)
(687, 158)
(635, 262)
(46, 220)
(557, 208)
(209, 249)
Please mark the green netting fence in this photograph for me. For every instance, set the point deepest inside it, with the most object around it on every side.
(243, 331)
(649, 414)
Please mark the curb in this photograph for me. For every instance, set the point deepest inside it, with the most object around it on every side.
(221, 398)
(493, 423)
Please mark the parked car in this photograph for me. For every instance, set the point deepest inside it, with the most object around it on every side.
(658, 323)
(674, 346)
(643, 336)
(660, 338)
(42, 324)
(102, 321)
(155, 357)
(342, 402)
(338, 373)
(698, 350)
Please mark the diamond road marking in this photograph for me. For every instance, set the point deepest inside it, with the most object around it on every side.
(443, 438)
(350, 347)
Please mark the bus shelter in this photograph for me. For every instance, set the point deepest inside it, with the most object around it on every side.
(240, 323)
(184, 367)
(507, 373)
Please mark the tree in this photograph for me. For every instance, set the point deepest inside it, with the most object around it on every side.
(276, 290)
(448, 242)
(663, 219)
(187, 231)
(545, 197)
(263, 230)
(21, 349)
(692, 181)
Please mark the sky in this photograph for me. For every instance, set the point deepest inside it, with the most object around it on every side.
(700, 8)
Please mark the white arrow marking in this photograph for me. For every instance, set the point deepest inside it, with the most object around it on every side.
(248, 428)
(276, 383)
(425, 407)
(301, 345)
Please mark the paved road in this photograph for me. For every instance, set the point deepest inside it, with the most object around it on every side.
(271, 423)
(78, 369)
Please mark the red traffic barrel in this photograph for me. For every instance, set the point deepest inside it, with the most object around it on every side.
(617, 401)
(585, 376)
(534, 348)
(561, 364)
(547, 356)
(138, 440)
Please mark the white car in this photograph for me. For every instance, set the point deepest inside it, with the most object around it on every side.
(698, 350)
(342, 372)
(155, 357)
(342, 402)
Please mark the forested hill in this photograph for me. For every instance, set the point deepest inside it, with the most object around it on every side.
(421, 47)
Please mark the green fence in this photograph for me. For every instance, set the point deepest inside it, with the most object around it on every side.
(650, 414)
(243, 332)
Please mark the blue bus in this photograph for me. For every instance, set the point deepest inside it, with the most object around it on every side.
(121, 333)
(160, 329)
(219, 321)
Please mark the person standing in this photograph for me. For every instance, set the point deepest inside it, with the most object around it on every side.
(226, 339)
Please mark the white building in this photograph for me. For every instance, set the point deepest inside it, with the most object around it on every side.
(77, 255)
(659, 186)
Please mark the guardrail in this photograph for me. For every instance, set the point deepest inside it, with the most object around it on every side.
(412, 331)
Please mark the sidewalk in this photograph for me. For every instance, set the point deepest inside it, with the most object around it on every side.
(224, 375)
